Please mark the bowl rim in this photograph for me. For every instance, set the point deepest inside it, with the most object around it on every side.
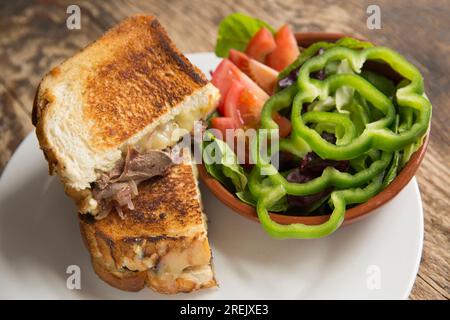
(351, 215)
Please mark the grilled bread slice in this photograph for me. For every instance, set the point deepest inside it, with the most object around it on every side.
(161, 244)
(131, 87)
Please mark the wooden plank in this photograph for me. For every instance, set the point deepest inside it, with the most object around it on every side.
(35, 37)
(424, 291)
(15, 124)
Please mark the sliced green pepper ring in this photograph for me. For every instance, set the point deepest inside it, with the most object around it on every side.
(267, 196)
(374, 136)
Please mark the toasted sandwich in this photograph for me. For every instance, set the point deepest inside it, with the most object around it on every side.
(130, 89)
(161, 244)
(106, 120)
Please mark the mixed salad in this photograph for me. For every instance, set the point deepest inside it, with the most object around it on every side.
(345, 130)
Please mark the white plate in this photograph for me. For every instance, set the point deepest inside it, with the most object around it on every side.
(376, 258)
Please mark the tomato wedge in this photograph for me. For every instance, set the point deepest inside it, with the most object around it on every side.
(245, 108)
(284, 124)
(231, 104)
(225, 74)
(222, 124)
(240, 59)
(286, 51)
(260, 45)
(250, 107)
(263, 75)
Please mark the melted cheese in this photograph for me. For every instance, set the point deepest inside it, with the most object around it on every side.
(165, 135)
(176, 261)
(169, 133)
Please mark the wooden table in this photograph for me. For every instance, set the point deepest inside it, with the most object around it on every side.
(34, 37)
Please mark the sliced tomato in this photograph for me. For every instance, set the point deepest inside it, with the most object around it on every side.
(286, 51)
(263, 75)
(222, 124)
(250, 107)
(226, 123)
(284, 124)
(240, 59)
(261, 44)
(222, 78)
(225, 74)
(231, 103)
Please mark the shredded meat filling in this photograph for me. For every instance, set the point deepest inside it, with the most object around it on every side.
(118, 187)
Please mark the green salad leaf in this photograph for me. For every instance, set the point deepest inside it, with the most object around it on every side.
(235, 31)
(215, 170)
(382, 83)
(393, 170)
(230, 173)
(222, 163)
(344, 95)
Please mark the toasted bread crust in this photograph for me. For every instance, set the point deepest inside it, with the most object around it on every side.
(133, 281)
(149, 80)
(129, 253)
(123, 85)
(130, 77)
(138, 46)
(41, 100)
(126, 281)
(166, 206)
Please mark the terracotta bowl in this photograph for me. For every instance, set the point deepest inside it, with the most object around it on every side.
(351, 215)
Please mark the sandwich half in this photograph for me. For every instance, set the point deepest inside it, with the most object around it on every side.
(161, 244)
(130, 89)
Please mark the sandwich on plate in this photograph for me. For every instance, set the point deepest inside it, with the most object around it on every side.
(106, 119)
(162, 243)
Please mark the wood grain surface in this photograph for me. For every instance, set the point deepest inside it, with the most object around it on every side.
(34, 37)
